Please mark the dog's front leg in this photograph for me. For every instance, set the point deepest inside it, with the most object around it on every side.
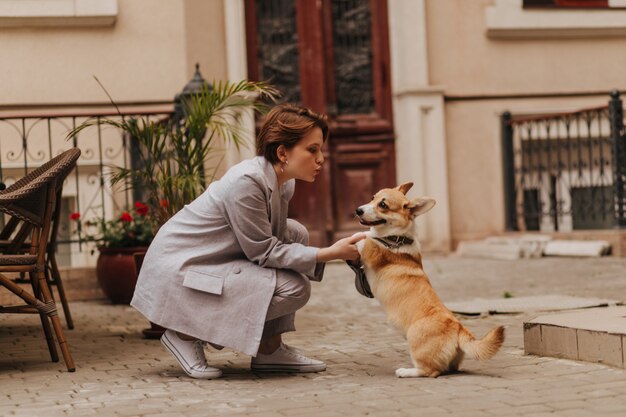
(361, 243)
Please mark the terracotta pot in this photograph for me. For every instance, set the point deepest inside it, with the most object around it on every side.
(154, 331)
(116, 274)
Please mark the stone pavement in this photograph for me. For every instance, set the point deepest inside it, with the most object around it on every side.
(121, 374)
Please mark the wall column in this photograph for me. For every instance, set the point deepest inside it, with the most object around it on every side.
(419, 120)
(237, 70)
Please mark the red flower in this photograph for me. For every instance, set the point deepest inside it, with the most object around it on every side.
(126, 217)
(75, 216)
(164, 203)
(141, 209)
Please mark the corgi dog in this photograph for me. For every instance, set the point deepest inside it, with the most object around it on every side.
(392, 263)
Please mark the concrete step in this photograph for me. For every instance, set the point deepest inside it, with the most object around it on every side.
(577, 248)
(80, 284)
(531, 246)
(591, 335)
(537, 303)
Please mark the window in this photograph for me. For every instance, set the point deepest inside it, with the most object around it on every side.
(556, 18)
(331, 55)
(19, 13)
(576, 4)
(278, 46)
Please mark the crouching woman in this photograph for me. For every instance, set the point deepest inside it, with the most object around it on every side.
(230, 268)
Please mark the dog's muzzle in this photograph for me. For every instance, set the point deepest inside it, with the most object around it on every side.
(374, 223)
(359, 212)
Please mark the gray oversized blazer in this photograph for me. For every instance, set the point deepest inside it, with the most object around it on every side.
(210, 272)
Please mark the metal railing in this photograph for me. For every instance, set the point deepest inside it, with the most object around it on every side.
(28, 139)
(565, 171)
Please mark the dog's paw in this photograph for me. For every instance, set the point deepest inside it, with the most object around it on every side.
(407, 373)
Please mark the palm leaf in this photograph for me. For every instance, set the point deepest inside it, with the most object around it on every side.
(173, 156)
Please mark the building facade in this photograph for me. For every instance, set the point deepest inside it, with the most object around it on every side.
(415, 89)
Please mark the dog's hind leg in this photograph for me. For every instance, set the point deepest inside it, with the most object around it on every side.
(414, 372)
(456, 362)
(417, 371)
(408, 373)
(430, 351)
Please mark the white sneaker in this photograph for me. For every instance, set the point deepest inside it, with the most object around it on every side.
(190, 356)
(286, 359)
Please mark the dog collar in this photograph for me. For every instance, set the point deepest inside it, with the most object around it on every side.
(394, 242)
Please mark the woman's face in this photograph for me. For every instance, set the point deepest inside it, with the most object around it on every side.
(305, 159)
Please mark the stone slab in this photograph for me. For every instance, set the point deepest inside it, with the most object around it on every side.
(559, 342)
(593, 335)
(551, 302)
(532, 339)
(489, 250)
(530, 245)
(600, 347)
(577, 248)
(609, 320)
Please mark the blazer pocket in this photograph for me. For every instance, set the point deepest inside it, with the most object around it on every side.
(212, 284)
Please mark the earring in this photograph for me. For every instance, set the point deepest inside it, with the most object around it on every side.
(282, 166)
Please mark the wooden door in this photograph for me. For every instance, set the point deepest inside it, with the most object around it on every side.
(331, 56)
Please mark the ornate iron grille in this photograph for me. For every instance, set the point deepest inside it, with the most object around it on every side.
(277, 41)
(565, 171)
(29, 140)
(352, 48)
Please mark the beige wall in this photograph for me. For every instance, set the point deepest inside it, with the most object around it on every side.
(147, 54)
(205, 38)
(465, 60)
(439, 48)
(468, 62)
(475, 160)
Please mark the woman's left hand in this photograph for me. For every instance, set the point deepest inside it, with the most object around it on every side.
(344, 249)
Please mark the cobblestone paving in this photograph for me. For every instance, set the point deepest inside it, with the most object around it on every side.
(121, 374)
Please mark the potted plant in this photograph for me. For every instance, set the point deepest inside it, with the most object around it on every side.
(117, 240)
(178, 155)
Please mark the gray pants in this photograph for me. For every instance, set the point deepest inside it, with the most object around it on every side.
(292, 289)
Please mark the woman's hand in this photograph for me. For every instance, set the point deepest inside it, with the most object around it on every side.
(344, 249)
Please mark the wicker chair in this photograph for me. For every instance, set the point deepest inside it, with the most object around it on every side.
(14, 239)
(32, 200)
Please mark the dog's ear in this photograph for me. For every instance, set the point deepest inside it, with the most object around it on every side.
(404, 188)
(420, 205)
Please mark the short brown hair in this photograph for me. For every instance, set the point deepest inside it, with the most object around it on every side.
(285, 125)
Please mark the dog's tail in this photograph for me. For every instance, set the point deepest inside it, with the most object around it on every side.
(484, 348)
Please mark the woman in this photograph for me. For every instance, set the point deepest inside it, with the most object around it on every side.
(230, 268)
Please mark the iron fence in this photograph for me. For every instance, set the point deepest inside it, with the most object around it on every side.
(565, 171)
(29, 139)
